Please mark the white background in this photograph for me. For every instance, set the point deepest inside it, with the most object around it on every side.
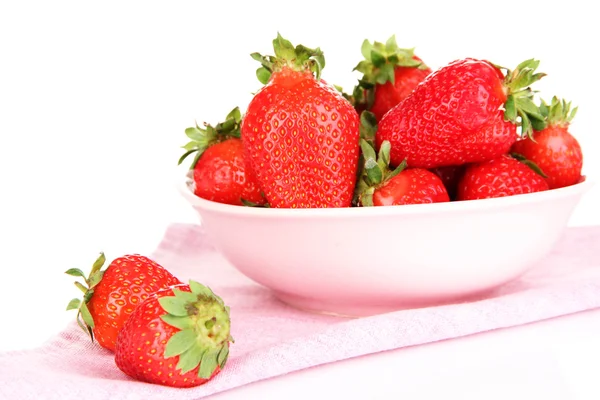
(95, 96)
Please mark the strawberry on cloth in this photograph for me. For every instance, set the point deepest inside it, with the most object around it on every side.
(273, 339)
(111, 295)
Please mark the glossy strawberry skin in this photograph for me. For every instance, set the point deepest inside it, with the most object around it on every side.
(221, 175)
(453, 117)
(301, 138)
(126, 282)
(500, 177)
(411, 186)
(388, 95)
(556, 152)
(141, 345)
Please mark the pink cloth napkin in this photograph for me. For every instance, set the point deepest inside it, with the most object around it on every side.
(274, 339)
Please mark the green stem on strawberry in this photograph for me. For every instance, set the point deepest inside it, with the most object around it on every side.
(249, 203)
(378, 66)
(203, 138)
(204, 323)
(298, 58)
(349, 97)
(375, 171)
(529, 163)
(519, 106)
(558, 112)
(368, 129)
(84, 318)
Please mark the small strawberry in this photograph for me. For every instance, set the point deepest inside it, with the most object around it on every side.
(389, 75)
(465, 112)
(111, 295)
(502, 176)
(381, 187)
(220, 172)
(553, 148)
(300, 134)
(179, 337)
(450, 176)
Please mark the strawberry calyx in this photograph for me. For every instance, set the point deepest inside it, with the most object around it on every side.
(375, 171)
(558, 112)
(367, 130)
(203, 138)
(368, 127)
(84, 317)
(529, 163)
(350, 97)
(378, 66)
(519, 107)
(297, 58)
(204, 329)
(249, 203)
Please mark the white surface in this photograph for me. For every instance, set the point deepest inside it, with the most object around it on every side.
(331, 260)
(94, 98)
(548, 360)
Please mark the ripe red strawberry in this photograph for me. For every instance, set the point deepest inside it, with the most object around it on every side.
(219, 169)
(554, 149)
(502, 176)
(389, 75)
(300, 134)
(381, 187)
(111, 295)
(464, 112)
(177, 337)
(411, 186)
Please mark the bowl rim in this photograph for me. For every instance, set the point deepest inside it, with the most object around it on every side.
(183, 186)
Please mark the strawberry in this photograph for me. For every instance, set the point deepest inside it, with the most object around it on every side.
(381, 187)
(389, 75)
(219, 169)
(111, 295)
(300, 134)
(450, 175)
(465, 112)
(179, 337)
(553, 148)
(502, 176)
(411, 186)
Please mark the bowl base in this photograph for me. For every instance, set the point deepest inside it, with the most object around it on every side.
(361, 309)
(343, 310)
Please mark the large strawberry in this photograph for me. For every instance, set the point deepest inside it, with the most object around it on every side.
(178, 337)
(300, 134)
(554, 149)
(219, 169)
(502, 176)
(111, 295)
(380, 186)
(465, 112)
(389, 75)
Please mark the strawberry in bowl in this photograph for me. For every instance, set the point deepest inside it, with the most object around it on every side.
(365, 215)
(360, 261)
(219, 169)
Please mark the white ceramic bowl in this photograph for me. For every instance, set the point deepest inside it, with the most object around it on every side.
(364, 261)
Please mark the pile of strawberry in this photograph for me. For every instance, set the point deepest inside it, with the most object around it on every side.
(161, 330)
(406, 135)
